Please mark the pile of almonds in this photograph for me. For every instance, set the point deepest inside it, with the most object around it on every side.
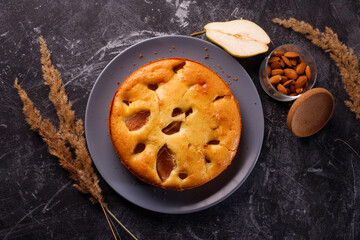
(288, 73)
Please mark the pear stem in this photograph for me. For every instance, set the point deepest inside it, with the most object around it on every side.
(197, 33)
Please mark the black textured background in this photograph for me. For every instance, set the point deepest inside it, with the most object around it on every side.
(299, 189)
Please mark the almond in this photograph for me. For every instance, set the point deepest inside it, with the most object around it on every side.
(308, 72)
(281, 89)
(274, 59)
(293, 61)
(300, 69)
(301, 81)
(277, 72)
(306, 84)
(284, 79)
(275, 65)
(282, 63)
(278, 54)
(290, 73)
(275, 79)
(288, 83)
(291, 54)
(268, 70)
(286, 61)
(292, 88)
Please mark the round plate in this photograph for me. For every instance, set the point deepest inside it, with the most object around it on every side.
(109, 165)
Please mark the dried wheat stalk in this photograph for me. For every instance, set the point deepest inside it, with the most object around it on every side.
(69, 136)
(343, 56)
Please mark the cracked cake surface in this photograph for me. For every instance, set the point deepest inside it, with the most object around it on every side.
(175, 124)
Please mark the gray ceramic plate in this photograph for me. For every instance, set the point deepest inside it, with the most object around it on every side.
(109, 165)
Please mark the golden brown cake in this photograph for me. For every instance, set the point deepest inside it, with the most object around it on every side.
(175, 124)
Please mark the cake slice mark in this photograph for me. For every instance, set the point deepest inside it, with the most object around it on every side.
(176, 112)
(166, 162)
(207, 163)
(140, 147)
(182, 175)
(224, 144)
(172, 128)
(153, 86)
(218, 98)
(137, 120)
(179, 67)
(188, 112)
(213, 142)
(126, 102)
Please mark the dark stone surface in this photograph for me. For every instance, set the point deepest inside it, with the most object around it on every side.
(299, 189)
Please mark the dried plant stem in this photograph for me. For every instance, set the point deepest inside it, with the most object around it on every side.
(52, 137)
(344, 57)
(112, 215)
(70, 130)
(69, 136)
(107, 218)
(352, 149)
(197, 33)
(113, 224)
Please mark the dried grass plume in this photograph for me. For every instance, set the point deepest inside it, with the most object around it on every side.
(67, 142)
(70, 134)
(343, 56)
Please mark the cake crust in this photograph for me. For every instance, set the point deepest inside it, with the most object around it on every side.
(175, 124)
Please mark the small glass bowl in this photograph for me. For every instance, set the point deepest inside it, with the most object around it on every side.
(264, 79)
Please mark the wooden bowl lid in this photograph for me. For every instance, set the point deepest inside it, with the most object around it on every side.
(310, 112)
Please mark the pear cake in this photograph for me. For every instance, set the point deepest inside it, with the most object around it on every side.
(175, 124)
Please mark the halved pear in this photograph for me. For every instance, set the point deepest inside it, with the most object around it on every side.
(240, 38)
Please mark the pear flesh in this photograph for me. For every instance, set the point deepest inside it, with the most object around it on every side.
(240, 38)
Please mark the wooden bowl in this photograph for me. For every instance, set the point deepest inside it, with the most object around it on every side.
(310, 112)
